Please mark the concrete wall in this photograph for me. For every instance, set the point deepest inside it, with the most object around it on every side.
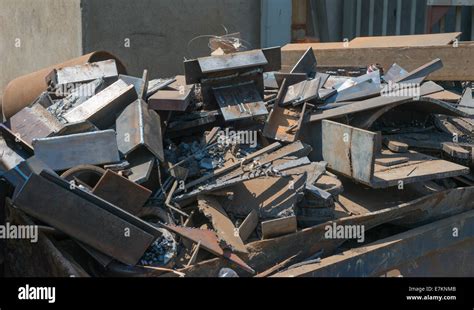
(159, 31)
(35, 34)
(51, 31)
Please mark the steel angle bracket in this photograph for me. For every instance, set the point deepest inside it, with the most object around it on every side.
(209, 242)
(138, 126)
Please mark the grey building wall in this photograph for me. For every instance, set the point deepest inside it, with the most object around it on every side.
(51, 31)
(35, 34)
(159, 31)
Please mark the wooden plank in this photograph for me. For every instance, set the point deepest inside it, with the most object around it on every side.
(248, 225)
(456, 60)
(278, 227)
(383, 255)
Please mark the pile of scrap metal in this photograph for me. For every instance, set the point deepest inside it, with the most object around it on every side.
(234, 168)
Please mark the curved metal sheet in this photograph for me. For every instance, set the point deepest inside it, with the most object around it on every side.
(23, 90)
(365, 119)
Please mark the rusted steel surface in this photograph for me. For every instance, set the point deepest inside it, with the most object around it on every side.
(365, 119)
(240, 101)
(137, 126)
(65, 152)
(121, 192)
(102, 108)
(311, 240)
(355, 156)
(78, 216)
(23, 90)
(106, 69)
(41, 259)
(386, 254)
(225, 229)
(34, 122)
(209, 242)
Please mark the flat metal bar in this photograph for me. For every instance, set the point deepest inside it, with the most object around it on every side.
(121, 192)
(102, 108)
(232, 61)
(82, 220)
(60, 153)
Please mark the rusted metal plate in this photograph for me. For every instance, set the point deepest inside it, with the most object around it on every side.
(83, 220)
(172, 100)
(137, 126)
(233, 166)
(372, 103)
(140, 84)
(209, 242)
(65, 152)
(121, 192)
(282, 124)
(102, 108)
(23, 90)
(394, 73)
(386, 254)
(299, 93)
(306, 242)
(420, 167)
(349, 150)
(306, 64)
(34, 122)
(419, 74)
(141, 165)
(278, 227)
(248, 225)
(273, 57)
(232, 61)
(424, 104)
(291, 78)
(466, 104)
(106, 69)
(240, 101)
(271, 197)
(225, 229)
